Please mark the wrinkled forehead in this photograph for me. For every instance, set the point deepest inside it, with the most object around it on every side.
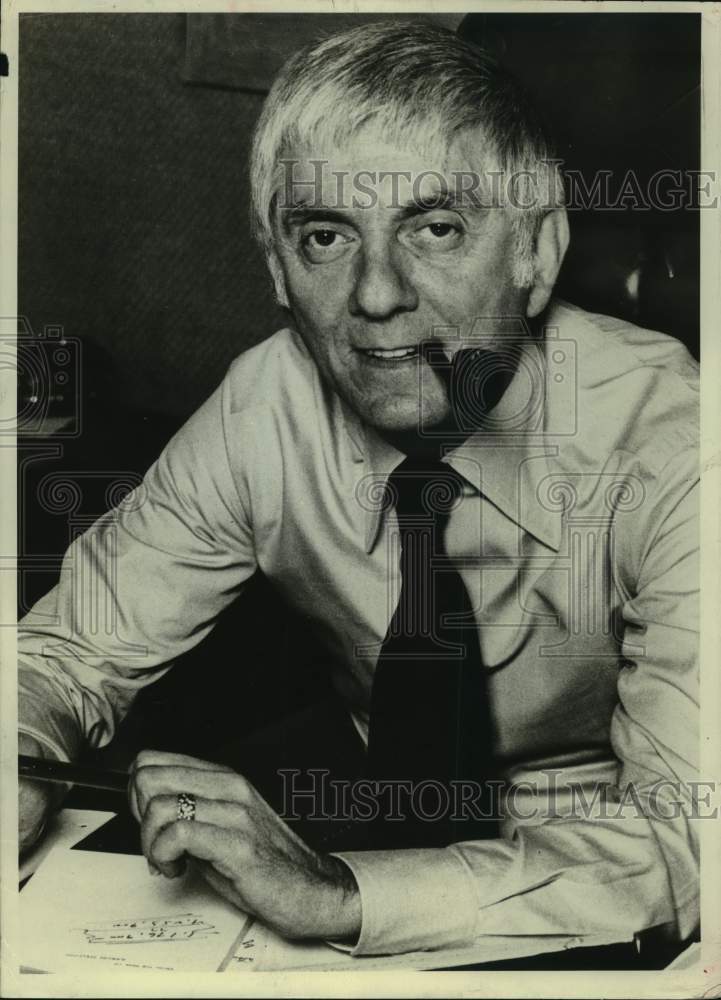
(385, 165)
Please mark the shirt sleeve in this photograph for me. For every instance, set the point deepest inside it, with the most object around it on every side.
(619, 867)
(143, 585)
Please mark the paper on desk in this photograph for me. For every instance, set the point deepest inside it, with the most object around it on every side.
(64, 829)
(261, 950)
(85, 910)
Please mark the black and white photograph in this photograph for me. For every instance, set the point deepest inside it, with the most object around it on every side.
(360, 500)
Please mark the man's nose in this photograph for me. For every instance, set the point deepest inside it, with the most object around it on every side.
(381, 288)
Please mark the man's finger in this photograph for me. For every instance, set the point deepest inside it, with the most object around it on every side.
(163, 810)
(200, 840)
(160, 757)
(150, 781)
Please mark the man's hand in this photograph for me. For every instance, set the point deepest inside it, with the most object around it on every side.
(37, 798)
(242, 848)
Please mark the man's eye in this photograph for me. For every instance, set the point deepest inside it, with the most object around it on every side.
(320, 245)
(437, 236)
(323, 237)
(441, 229)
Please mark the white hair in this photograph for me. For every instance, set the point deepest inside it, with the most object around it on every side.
(414, 82)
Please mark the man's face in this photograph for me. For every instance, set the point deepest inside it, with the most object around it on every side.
(369, 282)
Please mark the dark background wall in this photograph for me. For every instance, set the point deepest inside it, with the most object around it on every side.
(620, 93)
(133, 206)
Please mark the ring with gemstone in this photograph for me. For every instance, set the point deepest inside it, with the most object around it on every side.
(186, 806)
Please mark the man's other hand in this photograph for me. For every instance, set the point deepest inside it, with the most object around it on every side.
(36, 799)
(241, 846)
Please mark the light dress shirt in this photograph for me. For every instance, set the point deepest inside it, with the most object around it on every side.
(577, 540)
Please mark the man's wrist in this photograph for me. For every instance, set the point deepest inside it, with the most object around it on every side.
(344, 916)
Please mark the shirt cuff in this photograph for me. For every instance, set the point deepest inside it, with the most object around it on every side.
(412, 900)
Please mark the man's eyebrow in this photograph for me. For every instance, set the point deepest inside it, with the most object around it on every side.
(298, 214)
(439, 201)
(301, 213)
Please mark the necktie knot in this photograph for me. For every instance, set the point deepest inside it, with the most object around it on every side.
(424, 490)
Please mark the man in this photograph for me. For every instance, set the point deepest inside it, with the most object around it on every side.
(414, 228)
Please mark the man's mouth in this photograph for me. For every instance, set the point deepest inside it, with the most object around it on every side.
(390, 354)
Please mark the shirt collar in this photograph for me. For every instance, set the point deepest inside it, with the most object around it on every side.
(505, 464)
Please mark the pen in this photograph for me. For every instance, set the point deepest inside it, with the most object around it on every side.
(41, 769)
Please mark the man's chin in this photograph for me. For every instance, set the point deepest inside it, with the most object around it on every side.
(397, 423)
(402, 412)
(394, 420)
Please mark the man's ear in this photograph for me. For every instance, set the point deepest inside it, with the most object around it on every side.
(551, 246)
(276, 273)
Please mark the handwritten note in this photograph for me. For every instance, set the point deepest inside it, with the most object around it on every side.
(86, 909)
(181, 928)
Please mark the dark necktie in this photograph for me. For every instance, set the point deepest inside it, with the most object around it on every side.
(430, 722)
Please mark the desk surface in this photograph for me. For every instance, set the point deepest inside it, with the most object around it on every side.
(120, 835)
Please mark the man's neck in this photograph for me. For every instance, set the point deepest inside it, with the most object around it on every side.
(431, 444)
